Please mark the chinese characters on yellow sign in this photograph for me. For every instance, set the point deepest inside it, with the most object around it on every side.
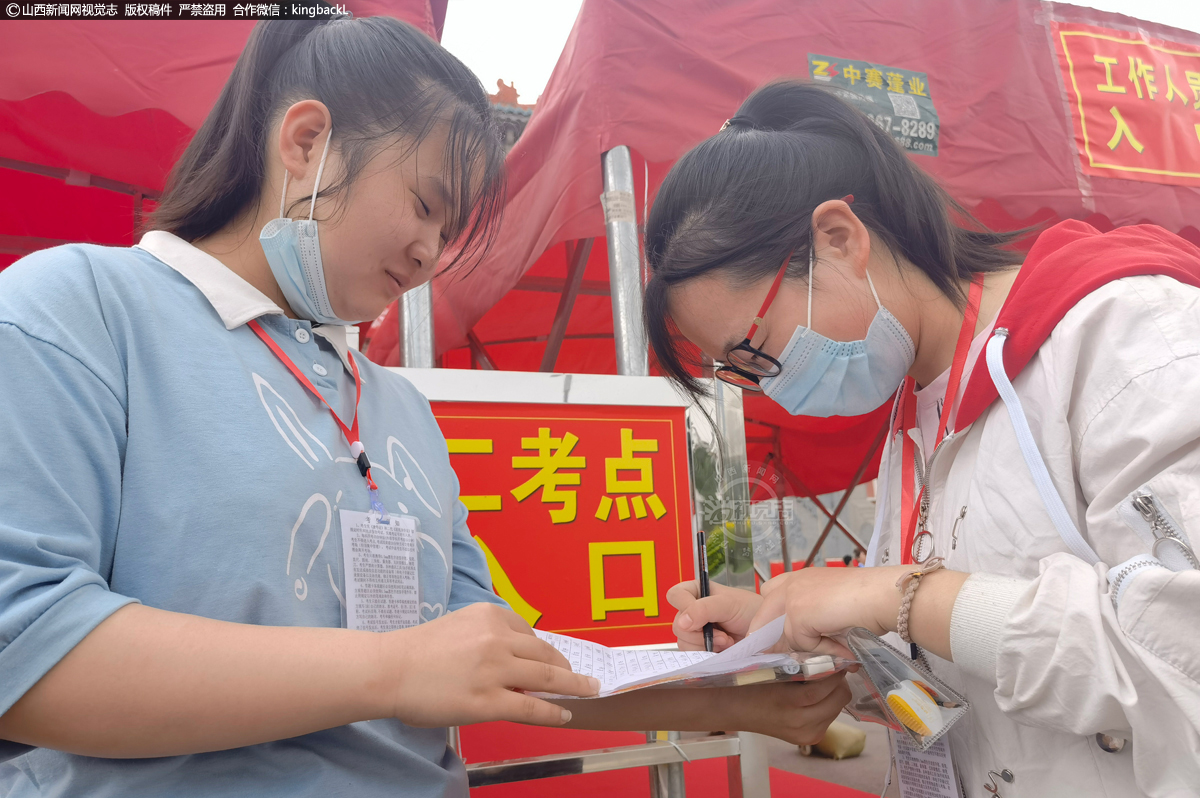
(1135, 103)
(582, 512)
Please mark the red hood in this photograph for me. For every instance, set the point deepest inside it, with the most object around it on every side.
(1068, 262)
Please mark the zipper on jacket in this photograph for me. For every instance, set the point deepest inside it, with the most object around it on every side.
(1162, 525)
(924, 468)
(1117, 580)
(954, 532)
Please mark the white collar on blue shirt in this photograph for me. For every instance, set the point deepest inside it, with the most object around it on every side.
(234, 299)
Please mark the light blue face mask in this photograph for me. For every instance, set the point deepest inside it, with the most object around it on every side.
(293, 251)
(826, 378)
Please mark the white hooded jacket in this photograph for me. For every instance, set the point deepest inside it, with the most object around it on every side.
(1049, 649)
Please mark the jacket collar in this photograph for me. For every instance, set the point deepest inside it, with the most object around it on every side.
(234, 299)
(1069, 261)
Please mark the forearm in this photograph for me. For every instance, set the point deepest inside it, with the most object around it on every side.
(931, 611)
(793, 711)
(642, 710)
(147, 682)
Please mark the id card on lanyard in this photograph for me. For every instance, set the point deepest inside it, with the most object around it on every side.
(379, 551)
(915, 511)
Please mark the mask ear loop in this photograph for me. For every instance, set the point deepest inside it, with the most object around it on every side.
(320, 168)
(812, 256)
(873, 291)
(283, 199)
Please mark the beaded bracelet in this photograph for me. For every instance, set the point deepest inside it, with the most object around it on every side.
(907, 584)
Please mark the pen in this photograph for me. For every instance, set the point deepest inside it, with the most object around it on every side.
(702, 553)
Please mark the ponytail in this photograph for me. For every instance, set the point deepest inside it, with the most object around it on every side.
(220, 173)
(380, 78)
(739, 202)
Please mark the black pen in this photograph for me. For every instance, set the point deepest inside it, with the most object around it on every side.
(702, 549)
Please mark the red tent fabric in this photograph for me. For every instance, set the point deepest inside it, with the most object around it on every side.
(98, 104)
(659, 78)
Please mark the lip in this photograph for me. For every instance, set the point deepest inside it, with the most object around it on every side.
(400, 289)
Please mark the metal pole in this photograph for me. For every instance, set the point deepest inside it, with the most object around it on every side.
(667, 781)
(416, 328)
(624, 262)
(783, 546)
(755, 770)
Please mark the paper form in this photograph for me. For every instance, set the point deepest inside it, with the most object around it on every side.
(620, 669)
(382, 588)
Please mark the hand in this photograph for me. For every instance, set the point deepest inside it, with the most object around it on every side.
(822, 603)
(798, 712)
(730, 608)
(472, 666)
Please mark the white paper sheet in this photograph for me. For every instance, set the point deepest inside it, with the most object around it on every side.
(382, 592)
(620, 669)
(924, 774)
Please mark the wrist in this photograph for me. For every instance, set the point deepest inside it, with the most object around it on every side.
(887, 597)
(384, 673)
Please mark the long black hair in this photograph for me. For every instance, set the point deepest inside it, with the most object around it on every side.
(380, 78)
(740, 201)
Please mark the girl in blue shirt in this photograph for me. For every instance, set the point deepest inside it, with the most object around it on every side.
(172, 591)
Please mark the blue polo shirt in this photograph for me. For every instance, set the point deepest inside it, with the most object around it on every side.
(154, 450)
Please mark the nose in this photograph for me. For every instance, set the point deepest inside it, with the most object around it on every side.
(426, 247)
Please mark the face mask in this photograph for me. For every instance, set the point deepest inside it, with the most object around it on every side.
(293, 251)
(825, 378)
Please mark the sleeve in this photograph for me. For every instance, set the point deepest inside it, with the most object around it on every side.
(1069, 653)
(471, 581)
(62, 441)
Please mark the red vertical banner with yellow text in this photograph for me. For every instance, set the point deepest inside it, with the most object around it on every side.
(581, 510)
(1135, 103)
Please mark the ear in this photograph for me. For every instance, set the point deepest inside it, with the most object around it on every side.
(839, 234)
(302, 133)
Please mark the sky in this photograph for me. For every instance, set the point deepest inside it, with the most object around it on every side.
(519, 41)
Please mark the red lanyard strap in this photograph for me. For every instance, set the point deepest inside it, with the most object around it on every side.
(356, 448)
(910, 518)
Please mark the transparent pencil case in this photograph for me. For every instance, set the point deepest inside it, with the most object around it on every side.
(793, 666)
(900, 693)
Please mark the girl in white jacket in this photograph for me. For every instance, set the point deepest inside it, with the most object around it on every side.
(1064, 516)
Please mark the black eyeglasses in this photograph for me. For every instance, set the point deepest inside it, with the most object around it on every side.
(744, 365)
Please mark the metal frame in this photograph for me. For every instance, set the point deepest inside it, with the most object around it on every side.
(577, 258)
(23, 245)
(416, 327)
(599, 760)
(624, 261)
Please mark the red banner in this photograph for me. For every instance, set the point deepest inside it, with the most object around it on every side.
(1135, 102)
(582, 511)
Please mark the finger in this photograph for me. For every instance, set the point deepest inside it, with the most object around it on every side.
(538, 650)
(772, 607)
(694, 641)
(683, 594)
(541, 677)
(833, 647)
(814, 690)
(822, 713)
(773, 584)
(520, 708)
(717, 608)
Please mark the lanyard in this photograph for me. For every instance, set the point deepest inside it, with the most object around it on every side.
(357, 451)
(915, 511)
